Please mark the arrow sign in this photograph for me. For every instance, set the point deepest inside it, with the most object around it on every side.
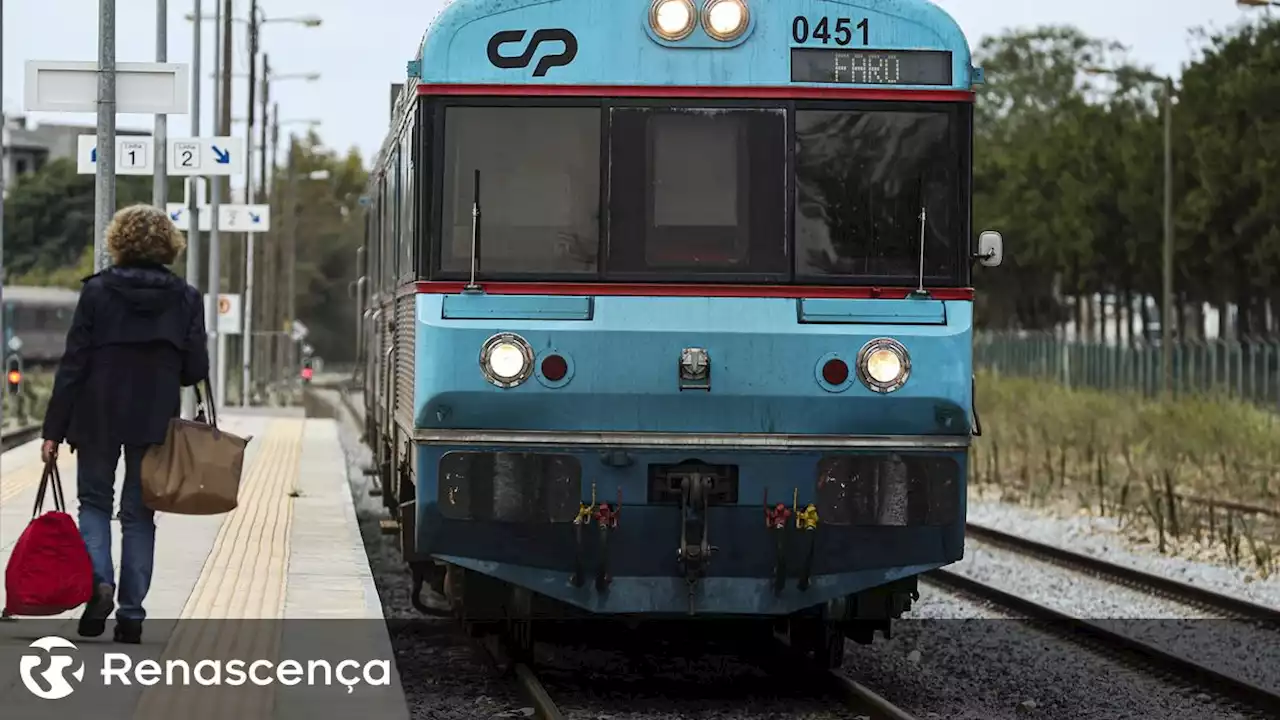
(209, 156)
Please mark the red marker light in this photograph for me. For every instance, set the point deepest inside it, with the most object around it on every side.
(554, 368)
(835, 372)
(15, 377)
(306, 373)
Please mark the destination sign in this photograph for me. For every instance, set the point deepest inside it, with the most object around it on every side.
(871, 67)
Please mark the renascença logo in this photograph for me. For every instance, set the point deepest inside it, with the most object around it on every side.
(120, 668)
(55, 684)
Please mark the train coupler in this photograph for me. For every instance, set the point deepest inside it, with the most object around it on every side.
(775, 521)
(695, 547)
(807, 521)
(607, 521)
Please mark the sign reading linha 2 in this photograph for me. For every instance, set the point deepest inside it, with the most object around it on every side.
(510, 62)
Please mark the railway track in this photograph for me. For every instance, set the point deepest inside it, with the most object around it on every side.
(1081, 629)
(18, 436)
(858, 698)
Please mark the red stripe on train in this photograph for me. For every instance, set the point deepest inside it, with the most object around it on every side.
(720, 92)
(449, 287)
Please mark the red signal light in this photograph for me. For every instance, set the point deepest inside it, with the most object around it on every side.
(554, 368)
(306, 373)
(835, 372)
(15, 377)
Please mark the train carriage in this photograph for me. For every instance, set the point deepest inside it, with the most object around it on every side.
(667, 309)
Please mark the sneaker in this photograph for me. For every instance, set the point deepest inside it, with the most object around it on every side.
(94, 620)
(128, 631)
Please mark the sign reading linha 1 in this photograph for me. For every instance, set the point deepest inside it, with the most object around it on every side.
(871, 67)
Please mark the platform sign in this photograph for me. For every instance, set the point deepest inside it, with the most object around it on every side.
(228, 313)
(244, 218)
(141, 88)
(135, 155)
(180, 214)
(221, 156)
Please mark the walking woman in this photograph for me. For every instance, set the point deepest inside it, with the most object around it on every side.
(137, 338)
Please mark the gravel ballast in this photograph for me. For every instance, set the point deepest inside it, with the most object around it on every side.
(1100, 538)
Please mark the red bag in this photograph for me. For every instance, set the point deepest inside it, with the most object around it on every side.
(49, 571)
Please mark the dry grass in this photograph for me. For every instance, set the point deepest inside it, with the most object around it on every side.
(1192, 475)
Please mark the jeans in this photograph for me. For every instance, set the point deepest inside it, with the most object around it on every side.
(96, 470)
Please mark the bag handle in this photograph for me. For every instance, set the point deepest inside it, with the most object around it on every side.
(207, 402)
(52, 477)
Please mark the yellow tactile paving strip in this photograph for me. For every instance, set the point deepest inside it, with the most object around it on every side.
(235, 609)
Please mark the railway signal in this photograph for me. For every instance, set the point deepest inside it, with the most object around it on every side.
(13, 374)
(307, 372)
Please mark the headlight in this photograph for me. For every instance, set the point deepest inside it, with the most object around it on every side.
(725, 19)
(883, 365)
(673, 19)
(506, 360)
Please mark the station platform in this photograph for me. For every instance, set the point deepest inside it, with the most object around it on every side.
(281, 585)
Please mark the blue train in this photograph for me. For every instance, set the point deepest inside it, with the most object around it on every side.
(667, 310)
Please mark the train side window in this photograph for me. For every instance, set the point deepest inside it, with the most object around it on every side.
(406, 203)
(698, 191)
(539, 190)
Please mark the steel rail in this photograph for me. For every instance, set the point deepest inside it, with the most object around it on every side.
(1148, 582)
(1072, 628)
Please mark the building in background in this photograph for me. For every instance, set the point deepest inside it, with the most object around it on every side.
(29, 147)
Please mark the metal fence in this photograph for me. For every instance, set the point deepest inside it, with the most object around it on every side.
(1246, 369)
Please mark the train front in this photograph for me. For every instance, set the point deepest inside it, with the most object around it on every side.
(694, 332)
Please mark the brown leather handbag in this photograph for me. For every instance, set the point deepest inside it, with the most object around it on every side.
(196, 470)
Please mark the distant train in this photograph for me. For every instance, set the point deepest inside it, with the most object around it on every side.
(39, 317)
(667, 310)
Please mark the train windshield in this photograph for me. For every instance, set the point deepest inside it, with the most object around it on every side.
(871, 186)
(644, 192)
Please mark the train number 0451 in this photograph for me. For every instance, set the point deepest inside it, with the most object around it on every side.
(842, 30)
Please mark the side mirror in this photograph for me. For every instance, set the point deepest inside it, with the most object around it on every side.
(990, 249)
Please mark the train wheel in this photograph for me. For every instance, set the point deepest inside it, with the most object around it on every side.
(820, 638)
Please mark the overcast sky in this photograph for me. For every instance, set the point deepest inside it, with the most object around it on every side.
(363, 45)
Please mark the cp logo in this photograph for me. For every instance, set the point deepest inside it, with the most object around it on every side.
(509, 62)
(54, 676)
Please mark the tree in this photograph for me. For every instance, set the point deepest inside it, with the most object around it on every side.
(48, 218)
(325, 216)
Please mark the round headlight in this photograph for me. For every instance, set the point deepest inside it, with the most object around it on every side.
(725, 19)
(673, 19)
(506, 360)
(883, 365)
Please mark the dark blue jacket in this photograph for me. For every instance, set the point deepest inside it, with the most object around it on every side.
(137, 337)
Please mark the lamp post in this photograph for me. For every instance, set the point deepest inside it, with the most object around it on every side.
(1167, 316)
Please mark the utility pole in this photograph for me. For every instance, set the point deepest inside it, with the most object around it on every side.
(215, 248)
(104, 195)
(246, 334)
(291, 253)
(1166, 322)
(4, 170)
(262, 350)
(224, 128)
(277, 304)
(160, 191)
(193, 188)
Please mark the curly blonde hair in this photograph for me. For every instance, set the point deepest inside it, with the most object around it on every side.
(143, 234)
